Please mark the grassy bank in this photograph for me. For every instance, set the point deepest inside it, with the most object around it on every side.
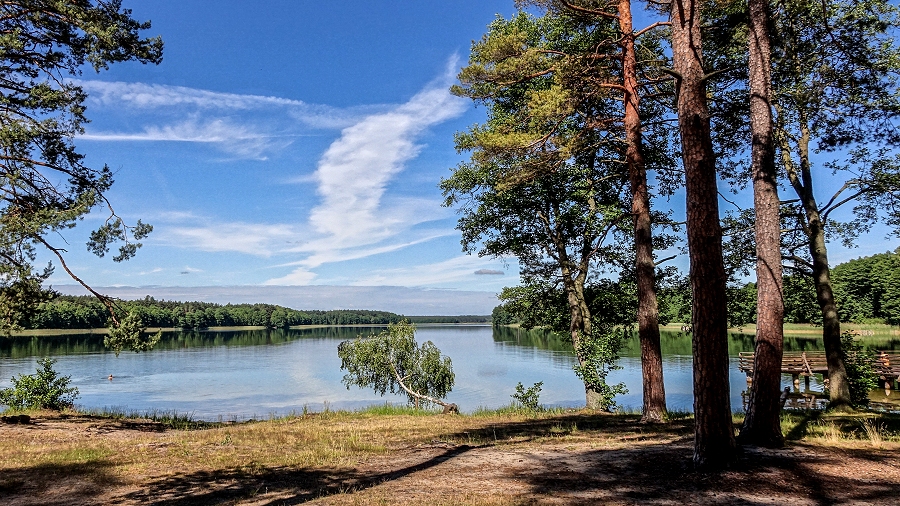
(808, 330)
(389, 455)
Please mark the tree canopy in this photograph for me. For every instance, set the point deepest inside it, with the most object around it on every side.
(394, 362)
(45, 184)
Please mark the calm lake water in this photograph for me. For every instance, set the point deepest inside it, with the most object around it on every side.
(259, 373)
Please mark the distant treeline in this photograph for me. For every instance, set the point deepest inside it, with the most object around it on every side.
(450, 319)
(866, 290)
(84, 312)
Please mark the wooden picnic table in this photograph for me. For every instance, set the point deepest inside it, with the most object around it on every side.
(810, 363)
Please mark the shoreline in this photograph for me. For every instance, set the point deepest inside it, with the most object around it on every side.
(792, 329)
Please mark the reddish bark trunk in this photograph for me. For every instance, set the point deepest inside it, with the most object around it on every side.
(762, 425)
(714, 433)
(654, 402)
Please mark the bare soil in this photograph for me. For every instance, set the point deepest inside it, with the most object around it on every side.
(599, 462)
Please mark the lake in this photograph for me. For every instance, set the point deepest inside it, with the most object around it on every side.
(259, 373)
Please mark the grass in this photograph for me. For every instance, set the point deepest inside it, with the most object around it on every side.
(169, 419)
(871, 428)
(876, 330)
(114, 447)
(324, 439)
(389, 409)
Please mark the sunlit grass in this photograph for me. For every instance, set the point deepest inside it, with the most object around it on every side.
(876, 330)
(876, 429)
(397, 409)
(99, 448)
(170, 419)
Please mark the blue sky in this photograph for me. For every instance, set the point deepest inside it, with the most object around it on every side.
(291, 143)
(296, 144)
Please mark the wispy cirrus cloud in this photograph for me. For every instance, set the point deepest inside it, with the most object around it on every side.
(257, 239)
(239, 140)
(357, 212)
(180, 98)
(244, 126)
(354, 219)
(354, 173)
(438, 273)
(151, 96)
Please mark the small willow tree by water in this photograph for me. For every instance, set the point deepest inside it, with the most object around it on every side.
(393, 362)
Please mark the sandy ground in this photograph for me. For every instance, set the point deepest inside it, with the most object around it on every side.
(655, 471)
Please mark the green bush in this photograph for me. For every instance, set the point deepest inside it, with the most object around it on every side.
(528, 398)
(43, 390)
(861, 373)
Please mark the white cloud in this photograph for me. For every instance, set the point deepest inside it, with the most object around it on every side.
(180, 98)
(355, 171)
(157, 95)
(299, 276)
(235, 139)
(322, 253)
(251, 238)
(357, 215)
(456, 269)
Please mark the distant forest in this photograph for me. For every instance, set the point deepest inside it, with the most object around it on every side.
(450, 319)
(866, 290)
(83, 312)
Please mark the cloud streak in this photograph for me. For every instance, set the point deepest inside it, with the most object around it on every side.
(358, 212)
(435, 274)
(257, 239)
(244, 126)
(354, 172)
(238, 140)
(180, 98)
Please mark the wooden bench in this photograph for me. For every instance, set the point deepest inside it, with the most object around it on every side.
(809, 363)
(887, 366)
(795, 400)
(795, 363)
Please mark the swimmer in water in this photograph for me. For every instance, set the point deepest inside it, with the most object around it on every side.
(110, 377)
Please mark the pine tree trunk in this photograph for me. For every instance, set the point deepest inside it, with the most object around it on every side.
(654, 408)
(838, 386)
(762, 425)
(714, 434)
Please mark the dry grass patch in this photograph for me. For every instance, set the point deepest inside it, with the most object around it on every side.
(492, 459)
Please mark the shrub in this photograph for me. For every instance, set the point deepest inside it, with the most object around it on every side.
(44, 390)
(528, 398)
(861, 374)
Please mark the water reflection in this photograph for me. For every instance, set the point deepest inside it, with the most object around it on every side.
(73, 344)
(258, 372)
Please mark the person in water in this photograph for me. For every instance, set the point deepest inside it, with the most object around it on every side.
(110, 377)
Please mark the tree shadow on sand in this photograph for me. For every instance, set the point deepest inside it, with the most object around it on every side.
(56, 484)
(631, 463)
(647, 472)
(285, 485)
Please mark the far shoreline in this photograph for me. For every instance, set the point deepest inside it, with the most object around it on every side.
(105, 330)
(794, 329)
